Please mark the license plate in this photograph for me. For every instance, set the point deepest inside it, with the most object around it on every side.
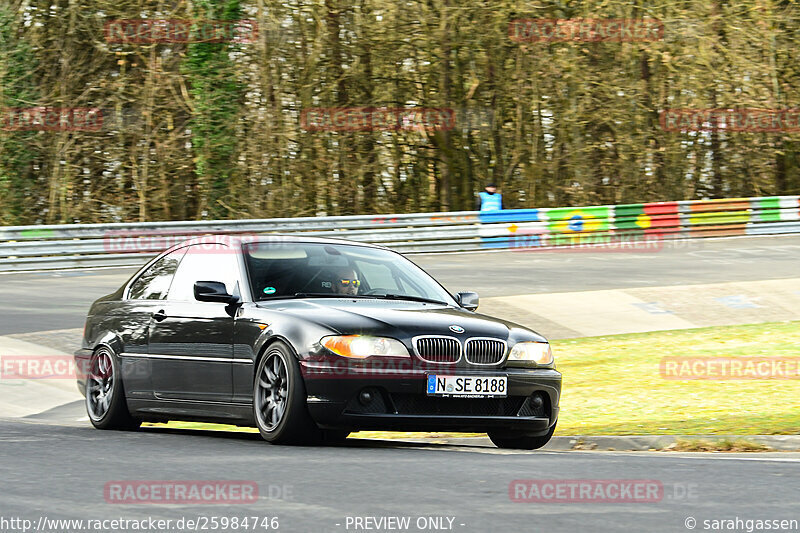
(468, 386)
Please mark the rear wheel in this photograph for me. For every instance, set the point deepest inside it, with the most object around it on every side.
(520, 442)
(279, 399)
(105, 393)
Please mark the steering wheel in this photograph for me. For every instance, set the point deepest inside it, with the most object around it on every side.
(373, 292)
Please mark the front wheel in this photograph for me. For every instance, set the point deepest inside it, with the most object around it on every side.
(522, 442)
(279, 399)
(105, 393)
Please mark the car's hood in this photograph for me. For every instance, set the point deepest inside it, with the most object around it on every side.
(398, 318)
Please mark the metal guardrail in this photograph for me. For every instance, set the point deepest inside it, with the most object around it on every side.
(630, 225)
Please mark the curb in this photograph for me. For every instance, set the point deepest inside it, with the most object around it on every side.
(632, 442)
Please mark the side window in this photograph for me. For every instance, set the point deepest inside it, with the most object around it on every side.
(204, 263)
(154, 282)
(376, 275)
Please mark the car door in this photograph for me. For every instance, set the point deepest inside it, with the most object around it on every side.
(144, 295)
(191, 342)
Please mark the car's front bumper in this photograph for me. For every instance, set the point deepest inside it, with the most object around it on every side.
(400, 400)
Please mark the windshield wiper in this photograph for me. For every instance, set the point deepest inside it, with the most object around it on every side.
(351, 296)
(326, 295)
(407, 297)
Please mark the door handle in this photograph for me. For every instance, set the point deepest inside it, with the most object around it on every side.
(159, 315)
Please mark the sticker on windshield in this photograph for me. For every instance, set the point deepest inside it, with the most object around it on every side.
(269, 290)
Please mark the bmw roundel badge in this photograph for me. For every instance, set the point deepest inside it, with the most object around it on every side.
(456, 329)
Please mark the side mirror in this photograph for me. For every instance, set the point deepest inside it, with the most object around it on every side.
(213, 291)
(467, 300)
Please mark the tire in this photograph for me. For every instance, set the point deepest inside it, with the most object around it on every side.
(279, 399)
(522, 442)
(105, 393)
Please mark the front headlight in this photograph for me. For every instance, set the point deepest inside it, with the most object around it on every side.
(531, 354)
(363, 346)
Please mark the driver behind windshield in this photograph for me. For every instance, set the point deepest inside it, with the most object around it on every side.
(346, 282)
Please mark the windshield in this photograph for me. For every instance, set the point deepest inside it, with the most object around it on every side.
(295, 270)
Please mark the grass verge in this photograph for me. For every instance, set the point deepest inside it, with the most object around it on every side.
(612, 385)
(724, 445)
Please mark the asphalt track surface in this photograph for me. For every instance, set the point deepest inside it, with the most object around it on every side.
(59, 471)
(59, 300)
(56, 466)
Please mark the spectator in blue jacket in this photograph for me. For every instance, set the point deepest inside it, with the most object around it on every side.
(489, 199)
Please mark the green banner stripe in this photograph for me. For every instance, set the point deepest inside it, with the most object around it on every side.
(732, 217)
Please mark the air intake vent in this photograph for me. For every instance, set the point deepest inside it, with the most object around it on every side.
(414, 404)
(438, 349)
(485, 351)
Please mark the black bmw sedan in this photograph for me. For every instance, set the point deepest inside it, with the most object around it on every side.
(308, 340)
